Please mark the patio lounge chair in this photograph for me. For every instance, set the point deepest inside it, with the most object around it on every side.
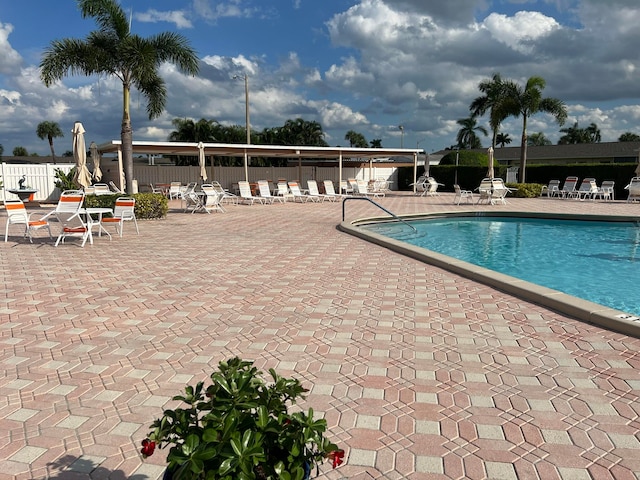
(67, 212)
(101, 189)
(346, 188)
(283, 191)
(298, 195)
(245, 194)
(17, 215)
(364, 190)
(498, 191)
(225, 195)
(115, 188)
(551, 190)
(634, 190)
(606, 190)
(569, 188)
(462, 194)
(313, 191)
(588, 189)
(265, 192)
(330, 190)
(123, 211)
(484, 191)
(421, 184)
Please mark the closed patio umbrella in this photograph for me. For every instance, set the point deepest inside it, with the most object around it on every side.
(82, 177)
(95, 156)
(638, 167)
(202, 162)
(490, 172)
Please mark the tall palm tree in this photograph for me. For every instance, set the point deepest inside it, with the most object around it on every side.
(467, 137)
(490, 102)
(303, 132)
(114, 50)
(503, 139)
(49, 130)
(528, 101)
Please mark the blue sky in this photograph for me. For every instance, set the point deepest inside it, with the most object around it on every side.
(368, 66)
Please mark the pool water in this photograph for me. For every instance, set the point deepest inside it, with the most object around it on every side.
(595, 261)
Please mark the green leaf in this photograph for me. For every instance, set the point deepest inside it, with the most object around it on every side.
(191, 444)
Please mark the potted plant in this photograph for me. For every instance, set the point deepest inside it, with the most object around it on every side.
(240, 427)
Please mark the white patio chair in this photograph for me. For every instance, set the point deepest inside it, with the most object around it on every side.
(298, 195)
(462, 194)
(484, 190)
(124, 211)
(330, 190)
(569, 188)
(246, 195)
(314, 192)
(283, 191)
(587, 189)
(634, 190)
(606, 190)
(552, 189)
(265, 192)
(17, 215)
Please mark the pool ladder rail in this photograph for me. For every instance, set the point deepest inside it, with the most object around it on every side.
(344, 202)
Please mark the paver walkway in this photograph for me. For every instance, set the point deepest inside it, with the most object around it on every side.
(421, 374)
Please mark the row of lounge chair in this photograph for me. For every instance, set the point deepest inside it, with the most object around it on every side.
(588, 188)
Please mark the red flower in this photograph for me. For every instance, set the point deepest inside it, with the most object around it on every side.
(336, 457)
(148, 447)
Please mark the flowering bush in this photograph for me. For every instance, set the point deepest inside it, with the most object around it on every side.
(239, 427)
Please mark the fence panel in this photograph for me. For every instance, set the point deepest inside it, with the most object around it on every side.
(40, 177)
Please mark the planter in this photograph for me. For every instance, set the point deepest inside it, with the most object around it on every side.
(168, 475)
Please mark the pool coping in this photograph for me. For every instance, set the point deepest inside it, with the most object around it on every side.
(575, 307)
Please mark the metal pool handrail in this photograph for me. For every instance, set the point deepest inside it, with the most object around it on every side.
(380, 207)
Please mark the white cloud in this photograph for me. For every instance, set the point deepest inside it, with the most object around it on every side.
(177, 17)
(10, 60)
(231, 8)
(521, 30)
(336, 115)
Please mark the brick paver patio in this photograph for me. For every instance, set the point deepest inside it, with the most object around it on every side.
(420, 373)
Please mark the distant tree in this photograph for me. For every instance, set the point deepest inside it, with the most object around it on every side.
(629, 137)
(538, 140)
(490, 102)
(114, 51)
(526, 101)
(376, 143)
(302, 132)
(186, 130)
(49, 130)
(467, 137)
(1, 150)
(20, 152)
(467, 158)
(356, 139)
(68, 153)
(503, 139)
(574, 135)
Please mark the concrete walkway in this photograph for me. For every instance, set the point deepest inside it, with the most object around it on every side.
(420, 373)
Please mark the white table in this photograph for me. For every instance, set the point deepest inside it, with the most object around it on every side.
(87, 212)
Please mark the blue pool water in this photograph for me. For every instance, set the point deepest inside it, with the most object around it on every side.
(596, 261)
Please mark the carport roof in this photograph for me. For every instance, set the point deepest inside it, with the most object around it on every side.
(239, 150)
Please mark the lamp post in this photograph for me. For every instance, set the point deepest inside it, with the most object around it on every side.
(246, 104)
(455, 179)
(401, 127)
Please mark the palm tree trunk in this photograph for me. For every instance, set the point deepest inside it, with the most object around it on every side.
(53, 154)
(523, 149)
(126, 137)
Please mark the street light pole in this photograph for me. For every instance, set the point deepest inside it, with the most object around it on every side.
(246, 119)
(455, 180)
(401, 127)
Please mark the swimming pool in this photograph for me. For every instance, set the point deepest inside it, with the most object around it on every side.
(595, 260)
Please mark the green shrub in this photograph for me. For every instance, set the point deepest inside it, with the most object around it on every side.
(525, 190)
(148, 205)
(65, 181)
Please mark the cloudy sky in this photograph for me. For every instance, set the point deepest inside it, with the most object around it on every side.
(368, 66)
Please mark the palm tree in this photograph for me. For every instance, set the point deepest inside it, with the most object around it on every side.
(356, 139)
(592, 133)
(376, 143)
(538, 140)
(49, 130)
(572, 135)
(629, 137)
(302, 132)
(467, 137)
(528, 101)
(114, 50)
(503, 139)
(490, 102)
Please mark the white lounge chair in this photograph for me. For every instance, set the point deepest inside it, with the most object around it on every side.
(569, 188)
(298, 195)
(433, 187)
(245, 194)
(498, 191)
(283, 191)
(551, 190)
(421, 184)
(462, 194)
(606, 190)
(17, 215)
(588, 188)
(175, 190)
(101, 189)
(484, 190)
(634, 190)
(330, 190)
(315, 192)
(265, 192)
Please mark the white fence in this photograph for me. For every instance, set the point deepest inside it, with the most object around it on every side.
(40, 177)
